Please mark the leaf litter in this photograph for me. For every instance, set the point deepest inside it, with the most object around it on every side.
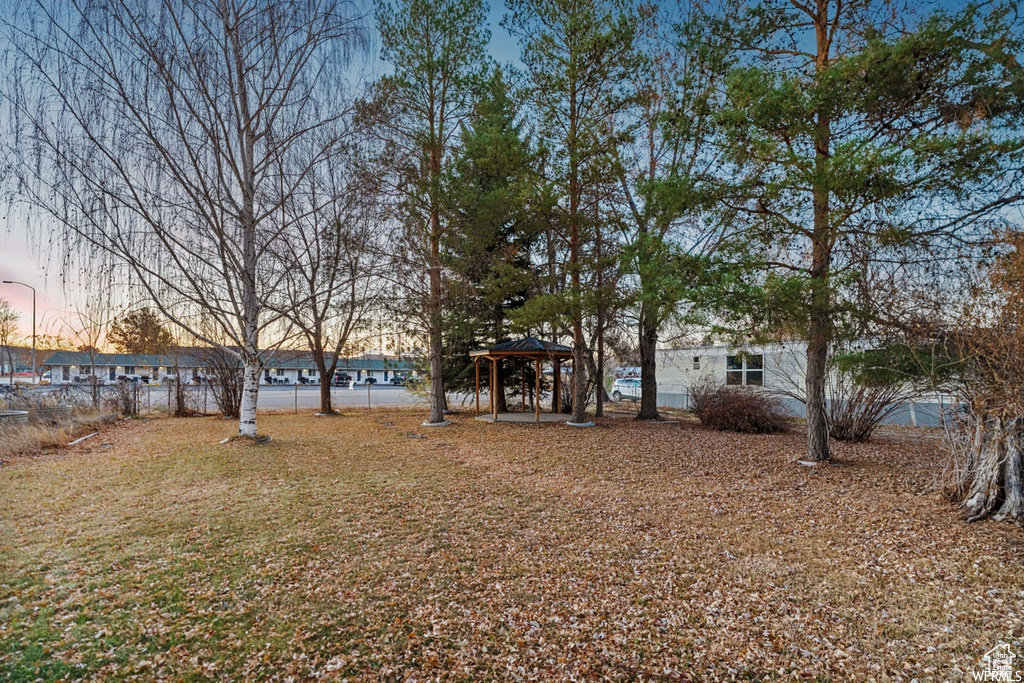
(349, 550)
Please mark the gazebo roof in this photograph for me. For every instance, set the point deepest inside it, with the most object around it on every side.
(527, 346)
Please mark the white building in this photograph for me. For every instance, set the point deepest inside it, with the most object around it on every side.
(71, 367)
(302, 370)
(776, 367)
(779, 368)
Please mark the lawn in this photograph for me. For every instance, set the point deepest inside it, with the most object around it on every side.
(368, 547)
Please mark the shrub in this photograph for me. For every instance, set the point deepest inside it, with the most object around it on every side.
(735, 409)
(866, 387)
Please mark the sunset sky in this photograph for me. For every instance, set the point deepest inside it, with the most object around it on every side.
(22, 258)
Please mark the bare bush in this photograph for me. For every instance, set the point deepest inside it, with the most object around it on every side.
(866, 387)
(225, 379)
(123, 399)
(734, 409)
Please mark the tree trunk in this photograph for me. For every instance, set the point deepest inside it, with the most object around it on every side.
(997, 479)
(599, 370)
(579, 381)
(1012, 509)
(819, 323)
(499, 389)
(437, 402)
(326, 375)
(250, 395)
(817, 416)
(434, 322)
(648, 364)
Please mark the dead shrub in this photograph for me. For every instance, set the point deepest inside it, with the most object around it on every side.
(733, 409)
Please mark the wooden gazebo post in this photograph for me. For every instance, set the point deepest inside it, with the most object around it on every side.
(536, 401)
(476, 361)
(556, 404)
(494, 385)
(522, 372)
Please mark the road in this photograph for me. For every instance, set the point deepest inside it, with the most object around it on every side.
(306, 397)
(273, 398)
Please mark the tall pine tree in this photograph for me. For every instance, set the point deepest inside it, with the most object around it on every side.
(578, 57)
(493, 226)
(861, 141)
(437, 48)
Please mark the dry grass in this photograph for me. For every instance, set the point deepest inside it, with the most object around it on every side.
(30, 438)
(368, 547)
(43, 437)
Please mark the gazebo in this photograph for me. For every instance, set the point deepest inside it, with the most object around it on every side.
(527, 349)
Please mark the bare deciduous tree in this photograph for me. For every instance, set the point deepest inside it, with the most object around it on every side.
(86, 328)
(155, 134)
(329, 261)
(988, 346)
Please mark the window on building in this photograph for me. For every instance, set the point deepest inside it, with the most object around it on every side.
(279, 372)
(755, 371)
(696, 362)
(734, 370)
(746, 370)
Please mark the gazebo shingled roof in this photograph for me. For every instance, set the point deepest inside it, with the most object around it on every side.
(527, 346)
(535, 349)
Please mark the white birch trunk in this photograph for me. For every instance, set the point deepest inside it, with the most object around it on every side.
(250, 394)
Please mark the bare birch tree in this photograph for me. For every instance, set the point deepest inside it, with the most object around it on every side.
(154, 134)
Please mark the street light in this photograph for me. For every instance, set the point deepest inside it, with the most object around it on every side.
(13, 282)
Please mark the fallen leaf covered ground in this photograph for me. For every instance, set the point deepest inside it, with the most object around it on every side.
(368, 547)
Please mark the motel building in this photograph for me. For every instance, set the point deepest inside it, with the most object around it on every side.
(75, 367)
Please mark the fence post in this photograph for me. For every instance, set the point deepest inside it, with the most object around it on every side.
(296, 398)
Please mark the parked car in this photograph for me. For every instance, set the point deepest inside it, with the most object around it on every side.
(626, 388)
(399, 381)
(341, 379)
